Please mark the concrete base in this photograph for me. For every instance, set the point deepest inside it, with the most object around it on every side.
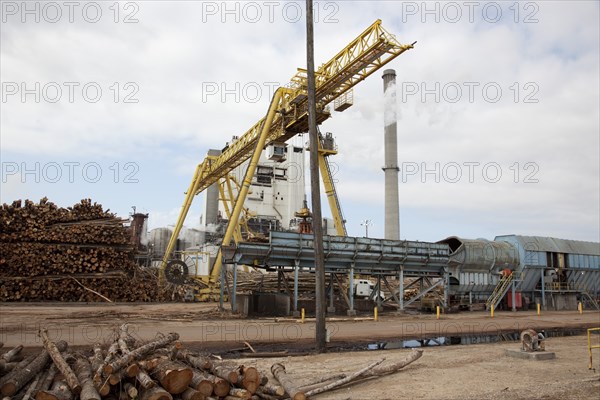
(536, 355)
(351, 313)
(331, 310)
(296, 314)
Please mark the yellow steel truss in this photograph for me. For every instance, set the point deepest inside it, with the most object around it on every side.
(287, 116)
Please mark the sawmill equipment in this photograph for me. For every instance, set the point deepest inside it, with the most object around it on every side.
(287, 116)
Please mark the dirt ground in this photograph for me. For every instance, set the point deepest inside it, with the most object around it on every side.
(479, 371)
(475, 372)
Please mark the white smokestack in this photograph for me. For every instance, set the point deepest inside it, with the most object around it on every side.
(390, 169)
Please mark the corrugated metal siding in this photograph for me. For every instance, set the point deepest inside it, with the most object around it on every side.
(554, 245)
(533, 249)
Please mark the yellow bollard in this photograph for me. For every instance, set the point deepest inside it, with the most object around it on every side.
(303, 315)
(437, 312)
(539, 309)
(492, 311)
(376, 313)
(580, 308)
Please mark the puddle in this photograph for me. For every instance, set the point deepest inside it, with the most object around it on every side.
(466, 340)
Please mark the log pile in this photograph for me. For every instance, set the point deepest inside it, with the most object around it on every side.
(79, 253)
(162, 369)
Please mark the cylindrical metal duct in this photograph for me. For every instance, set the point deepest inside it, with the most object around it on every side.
(212, 198)
(480, 255)
(390, 169)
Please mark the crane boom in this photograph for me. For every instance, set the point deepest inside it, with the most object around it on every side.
(288, 116)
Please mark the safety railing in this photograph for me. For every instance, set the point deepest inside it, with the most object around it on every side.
(590, 346)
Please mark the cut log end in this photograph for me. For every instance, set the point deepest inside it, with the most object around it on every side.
(177, 380)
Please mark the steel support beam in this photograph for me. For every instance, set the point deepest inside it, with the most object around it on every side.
(233, 292)
(331, 308)
(424, 292)
(296, 272)
(401, 291)
(351, 310)
(446, 288)
(514, 306)
(543, 288)
(222, 292)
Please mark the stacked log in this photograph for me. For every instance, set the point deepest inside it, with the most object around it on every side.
(162, 369)
(79, 253)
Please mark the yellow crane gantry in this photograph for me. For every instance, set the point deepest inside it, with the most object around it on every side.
(287, 116)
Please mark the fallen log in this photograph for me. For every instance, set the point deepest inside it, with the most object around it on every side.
(173, 377)
(345, 380)
(144, 379)
(138, 353)
(83, 370)
(131, 390)
(20, 377)
(249, 379)
(319, 382)
(192, 394)
(123, 339)
(33, 386)
(414, 355)
(13, 355)
(7, 366)
(60, 363)
(202, 384)
(49, 378)
(272, 389)
(110, 355)
(60, 391)
(155, 393)
(287, 382)
(240, 393)
(229, 373)
(195, 361)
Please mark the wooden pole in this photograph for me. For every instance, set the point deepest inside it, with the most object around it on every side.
(317, 220)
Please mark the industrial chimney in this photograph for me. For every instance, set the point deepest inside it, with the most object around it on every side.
(390, 169)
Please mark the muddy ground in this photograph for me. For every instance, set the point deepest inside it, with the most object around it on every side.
(479, 371)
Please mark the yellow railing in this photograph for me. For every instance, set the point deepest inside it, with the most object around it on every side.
(590, 347)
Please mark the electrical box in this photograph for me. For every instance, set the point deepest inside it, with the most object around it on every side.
(276, 152)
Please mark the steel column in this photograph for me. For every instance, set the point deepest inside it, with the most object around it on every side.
(351, 289)
(543, 288)
(446, 288)
(331, 308)
(514, 306)
(401, 291)
(222, 293)
(296, 272)
(378, 290)
(233, 292)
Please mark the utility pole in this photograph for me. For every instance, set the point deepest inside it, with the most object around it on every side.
(366, 224)
(317, 221)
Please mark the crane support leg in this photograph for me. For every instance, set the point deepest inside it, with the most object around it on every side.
(241, 198)
(189, 197)
(332, 198)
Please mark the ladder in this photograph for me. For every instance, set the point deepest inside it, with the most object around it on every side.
(588, 301)
(499, 291)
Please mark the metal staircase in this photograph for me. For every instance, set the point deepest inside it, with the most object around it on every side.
(499, 291)
(588, 301)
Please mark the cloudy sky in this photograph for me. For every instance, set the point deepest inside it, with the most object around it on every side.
(498, 106)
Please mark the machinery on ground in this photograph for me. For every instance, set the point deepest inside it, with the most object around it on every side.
(286, 117)
(365, 289)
